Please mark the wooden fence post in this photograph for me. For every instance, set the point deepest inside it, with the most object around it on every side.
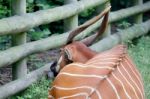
(19, 68)
(72, 22)
(138, 18)
(98, 10)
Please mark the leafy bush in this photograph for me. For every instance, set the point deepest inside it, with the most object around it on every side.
(44, 30)
(87, 13)
(124, 25)
(120, 25)
(4, 8)
(5, 42)
(34, 5)
(36, 35)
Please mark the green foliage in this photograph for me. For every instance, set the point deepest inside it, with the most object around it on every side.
(44, 30)
(120, 4)
(3, 11)
(38, 90)
(34, 5)
(4, 8)
(86, 15)
(87, 12)
(5, 42)
(30, 6)
(123, 25)
(36, 35)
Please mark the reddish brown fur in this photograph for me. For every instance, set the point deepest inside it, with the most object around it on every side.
(106, 91)
(79, 52)
(88, 63)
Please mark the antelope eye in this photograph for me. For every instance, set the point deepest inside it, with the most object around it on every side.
(66, 55)
(59, 51)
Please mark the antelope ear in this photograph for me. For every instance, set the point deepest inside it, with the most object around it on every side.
(67, 54)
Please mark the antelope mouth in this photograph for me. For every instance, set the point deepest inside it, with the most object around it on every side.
(52, 72)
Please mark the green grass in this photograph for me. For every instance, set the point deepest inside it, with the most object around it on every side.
(38, 90)
(140, 53)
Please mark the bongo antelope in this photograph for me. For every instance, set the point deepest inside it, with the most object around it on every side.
(86, 74)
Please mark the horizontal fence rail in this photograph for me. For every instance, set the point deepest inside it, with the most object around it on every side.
(102, 45)
(18, 24)
(13, 54)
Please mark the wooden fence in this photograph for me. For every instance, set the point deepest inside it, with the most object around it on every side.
(20, 23)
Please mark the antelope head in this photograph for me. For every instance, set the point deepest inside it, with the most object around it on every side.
(77, 51)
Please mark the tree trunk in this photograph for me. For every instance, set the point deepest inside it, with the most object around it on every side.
(139, 17)
(71, 22)
(20, 67)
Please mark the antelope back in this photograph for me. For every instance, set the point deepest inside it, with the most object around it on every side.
(108, 75)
